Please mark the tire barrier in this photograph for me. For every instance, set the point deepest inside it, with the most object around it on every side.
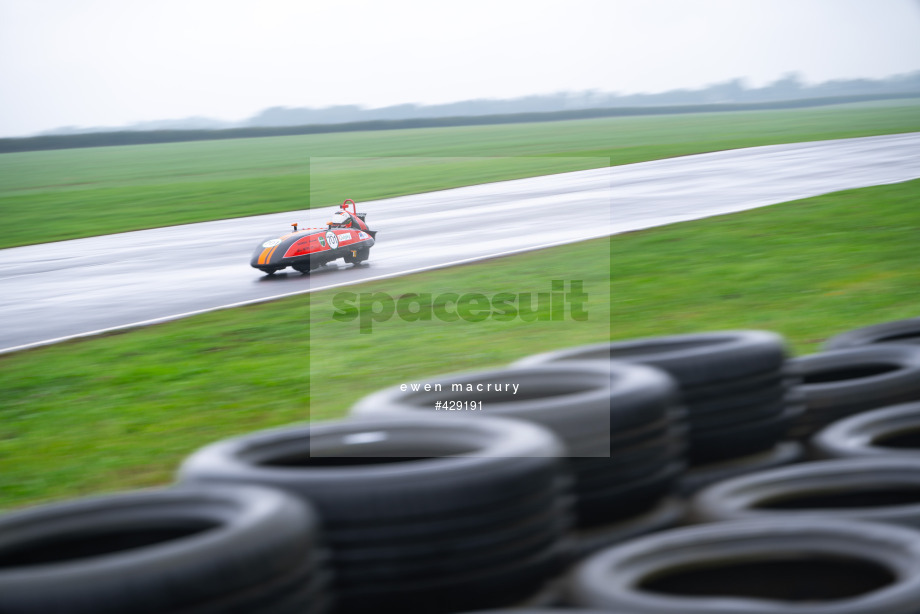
(900, 332)
(880, 490)
(418, 517)
(621, 424)
(890, 431)
(587, 456)
(732, 383)
(785, 566)
(210, 549)
(841, 383)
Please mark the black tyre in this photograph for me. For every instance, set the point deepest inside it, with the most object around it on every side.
(619, 423)
(729, 381)
(394, 468)
(693, 360)
(574, 402)
(789, 566)
(484, 521)
(703, 475)
(210, 549)
(614, 503)
(740, 414)
(474, 588)
(881, 490)
(844, 382)
(736, 403)
(667, 513)
(784, 379)
(631, 461)
(671, 426)
(890, 431)
(415, 510)
(541, 611)
(360, 256)
(900, 331)
(740, 439)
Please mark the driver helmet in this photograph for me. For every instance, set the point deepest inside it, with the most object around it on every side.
(340, 219)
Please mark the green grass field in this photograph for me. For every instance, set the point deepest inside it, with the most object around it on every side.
(65, 194)
(121, 411)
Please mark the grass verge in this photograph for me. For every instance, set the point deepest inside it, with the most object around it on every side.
(67, 194)
(121, 411)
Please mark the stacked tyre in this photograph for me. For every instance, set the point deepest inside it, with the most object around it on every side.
(882, 489)
(210, 549)
(734, 385)
(621, 424)
(887, 432)
(419, 516)
(902, 332)
(841, 383)
(785, 566)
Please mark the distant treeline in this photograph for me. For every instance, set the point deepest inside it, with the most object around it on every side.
(125, 137)
(789, 87)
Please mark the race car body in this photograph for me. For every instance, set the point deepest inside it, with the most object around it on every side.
(347, 237)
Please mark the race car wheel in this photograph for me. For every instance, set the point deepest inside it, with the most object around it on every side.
(270, 270)
(788, 566)
(302, 268)
(360, 255)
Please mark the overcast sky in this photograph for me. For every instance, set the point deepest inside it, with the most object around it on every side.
(115, 62)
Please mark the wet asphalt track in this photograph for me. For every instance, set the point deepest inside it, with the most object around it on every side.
(71, 288)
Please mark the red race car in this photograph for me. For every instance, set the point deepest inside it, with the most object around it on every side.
(346, 236)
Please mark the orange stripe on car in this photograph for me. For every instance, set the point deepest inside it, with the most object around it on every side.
(266, 255)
